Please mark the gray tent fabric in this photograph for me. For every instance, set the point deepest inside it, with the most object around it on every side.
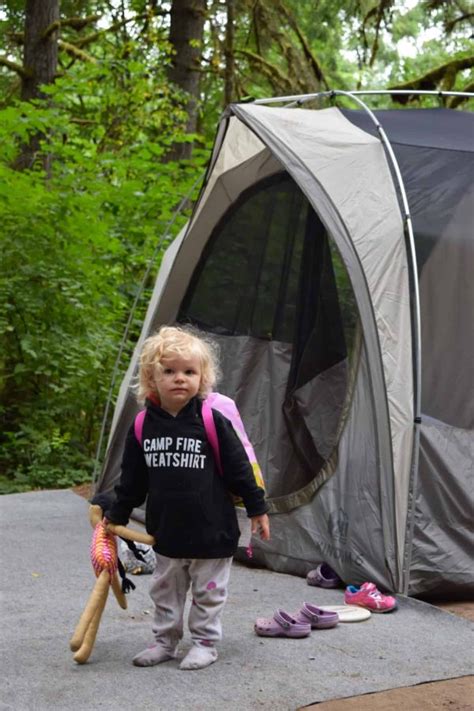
(435, 152)
(295, 260)
(444, 533)
(434, 148)
(316, 148)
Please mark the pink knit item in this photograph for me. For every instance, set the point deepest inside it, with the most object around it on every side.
(103, 551)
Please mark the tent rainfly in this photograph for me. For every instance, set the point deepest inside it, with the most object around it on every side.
(296, 259)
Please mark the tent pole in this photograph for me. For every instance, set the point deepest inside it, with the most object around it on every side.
(303, 98)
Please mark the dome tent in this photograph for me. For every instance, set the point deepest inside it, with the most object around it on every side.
(295, 259)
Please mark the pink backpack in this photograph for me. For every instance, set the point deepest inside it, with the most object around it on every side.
(228, 408)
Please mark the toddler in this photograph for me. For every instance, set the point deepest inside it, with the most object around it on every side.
(189, 507)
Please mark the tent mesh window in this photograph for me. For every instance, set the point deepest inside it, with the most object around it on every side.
(247, 280)
(269, 271)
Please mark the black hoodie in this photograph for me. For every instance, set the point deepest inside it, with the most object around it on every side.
(189, 507)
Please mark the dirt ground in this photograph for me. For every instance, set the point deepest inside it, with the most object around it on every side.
(453, 694)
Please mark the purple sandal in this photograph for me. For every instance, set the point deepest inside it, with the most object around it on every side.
(324, 577)
(317, 618)
(281, 625)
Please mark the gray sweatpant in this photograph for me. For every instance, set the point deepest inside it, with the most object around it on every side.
(171, 580)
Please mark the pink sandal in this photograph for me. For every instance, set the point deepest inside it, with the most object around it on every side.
(324, 577)
(318, 619)
(281, 625)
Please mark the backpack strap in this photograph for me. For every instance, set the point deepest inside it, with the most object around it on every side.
(138, 426)
(211, 433)
(209, 426)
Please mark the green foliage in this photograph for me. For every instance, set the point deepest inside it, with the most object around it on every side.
(75, 245)
(357, 44)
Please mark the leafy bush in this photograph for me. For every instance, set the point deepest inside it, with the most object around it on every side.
(76, 241)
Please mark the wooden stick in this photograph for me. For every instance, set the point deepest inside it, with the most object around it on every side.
(95, 515)
(98, 595)
(130, 534)
(118, 592)
(84, 652)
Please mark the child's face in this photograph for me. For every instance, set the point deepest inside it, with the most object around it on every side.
(178, 383)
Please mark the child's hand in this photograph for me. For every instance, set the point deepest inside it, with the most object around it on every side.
(107, 525)
(261, 525)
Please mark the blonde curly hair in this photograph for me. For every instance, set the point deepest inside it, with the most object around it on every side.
(181, 341)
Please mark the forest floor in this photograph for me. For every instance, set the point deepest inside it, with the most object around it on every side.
(453, 694)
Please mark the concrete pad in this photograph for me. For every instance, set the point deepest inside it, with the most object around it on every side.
(47, 579)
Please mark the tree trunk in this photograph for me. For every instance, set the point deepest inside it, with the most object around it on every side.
(229, 75)
(186, 35)
(40, 58)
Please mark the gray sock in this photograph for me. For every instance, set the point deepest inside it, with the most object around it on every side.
(199, 657)
(153, 655)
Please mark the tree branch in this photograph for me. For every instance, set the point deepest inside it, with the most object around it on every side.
(313, 62)
(383, 5)
(16, 37)
(75, 52)
(275, 76)
(15, 67)
(83, 41)
(256, 29)
(450, 25)
(77, 23)
(441, 77)
(456, 101)
(83, 122)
